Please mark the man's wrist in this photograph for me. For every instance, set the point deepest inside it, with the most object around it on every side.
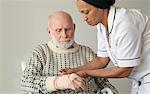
(50, 84)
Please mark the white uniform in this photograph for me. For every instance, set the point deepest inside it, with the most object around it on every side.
(128, 45)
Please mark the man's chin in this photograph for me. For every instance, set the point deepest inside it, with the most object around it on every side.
(65, 44)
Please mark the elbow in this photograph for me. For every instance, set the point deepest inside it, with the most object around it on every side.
(125, 72)
(103, 60)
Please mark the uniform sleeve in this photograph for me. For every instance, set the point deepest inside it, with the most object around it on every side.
(128, 51)
(32, 79)
(103, 83)
(102, 52)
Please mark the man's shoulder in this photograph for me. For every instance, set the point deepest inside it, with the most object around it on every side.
(83, 46)
(40, 48)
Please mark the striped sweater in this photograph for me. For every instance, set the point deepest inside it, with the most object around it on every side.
(46, 61)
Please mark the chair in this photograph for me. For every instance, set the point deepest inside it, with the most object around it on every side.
(23, 65)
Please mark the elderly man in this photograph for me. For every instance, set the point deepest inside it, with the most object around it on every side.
(42, 75)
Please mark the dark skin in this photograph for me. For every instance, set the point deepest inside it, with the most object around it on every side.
(97, 67)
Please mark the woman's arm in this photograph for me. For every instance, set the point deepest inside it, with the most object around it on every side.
(96, 63)
(113, 72)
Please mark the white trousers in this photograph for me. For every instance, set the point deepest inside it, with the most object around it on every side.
(142, 86)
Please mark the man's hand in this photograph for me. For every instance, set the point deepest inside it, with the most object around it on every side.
(70, 81)
(68, 71)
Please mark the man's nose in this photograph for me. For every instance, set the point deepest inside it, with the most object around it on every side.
(64, 33)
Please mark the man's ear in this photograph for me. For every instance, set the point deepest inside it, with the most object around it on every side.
(47, 30)
(74, 27)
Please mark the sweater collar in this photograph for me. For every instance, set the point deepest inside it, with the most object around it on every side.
(71, 49)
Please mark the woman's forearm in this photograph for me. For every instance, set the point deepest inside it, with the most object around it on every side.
(113, 72)
(96, 63)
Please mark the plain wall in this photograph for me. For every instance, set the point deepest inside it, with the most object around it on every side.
(0, 48)
(149, 8)
(23, 27)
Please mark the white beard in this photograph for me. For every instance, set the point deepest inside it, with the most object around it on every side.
(63, 45)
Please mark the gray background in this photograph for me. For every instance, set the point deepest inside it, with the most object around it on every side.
(23, 25)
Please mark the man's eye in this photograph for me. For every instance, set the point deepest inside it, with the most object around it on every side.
(67, 29)
(58, 30)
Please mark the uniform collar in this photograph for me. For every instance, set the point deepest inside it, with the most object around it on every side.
(111, 18)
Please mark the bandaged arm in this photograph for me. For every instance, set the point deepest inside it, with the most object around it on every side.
(70, 81)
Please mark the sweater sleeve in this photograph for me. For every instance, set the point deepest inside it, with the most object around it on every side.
(32, 78)
(89, 54)
(104, 83)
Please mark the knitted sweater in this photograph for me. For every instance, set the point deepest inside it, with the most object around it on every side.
(46, 61)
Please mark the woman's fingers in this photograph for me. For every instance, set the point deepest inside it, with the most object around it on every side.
(67, 71)
(82, 74)
(80, 79)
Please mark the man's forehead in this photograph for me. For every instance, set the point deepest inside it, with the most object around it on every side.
(60, 24)
(55, 22)
(60, 14)
(59, 18)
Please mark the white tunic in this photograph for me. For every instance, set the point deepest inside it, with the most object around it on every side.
(129, 40)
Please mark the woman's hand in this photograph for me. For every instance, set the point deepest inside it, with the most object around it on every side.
(83, 73)
(68, 71)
